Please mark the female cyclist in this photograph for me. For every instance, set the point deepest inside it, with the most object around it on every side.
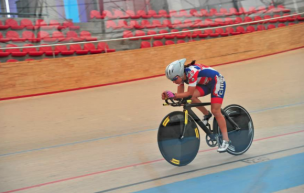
(202, 80)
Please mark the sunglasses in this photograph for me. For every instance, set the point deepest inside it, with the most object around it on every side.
(175, 78)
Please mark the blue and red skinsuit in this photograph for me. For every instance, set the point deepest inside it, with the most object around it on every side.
(206, 80)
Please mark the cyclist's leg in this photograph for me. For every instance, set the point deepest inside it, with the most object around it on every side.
(218, 87)
(201, 90)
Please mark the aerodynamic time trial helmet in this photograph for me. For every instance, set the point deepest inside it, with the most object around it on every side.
(176, 68)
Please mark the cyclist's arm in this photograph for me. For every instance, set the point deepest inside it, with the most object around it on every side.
(190, 91)
(180, 88)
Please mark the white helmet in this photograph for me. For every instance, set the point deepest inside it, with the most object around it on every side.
(176, 68)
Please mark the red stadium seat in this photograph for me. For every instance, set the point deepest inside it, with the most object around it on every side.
(60, 36)
(181, 41)
(14, 36)
(300, 18)
(163, 13)
(167, 23)
(105, 47)
(240, 29)
(32, 51)
(250, 29)
(74, 36)
(70, 25)
(28, 24)
(141, 33)
(204, 13)
(87, 36)
(45, 36)
(13, 24)
(200, 34)
(157, 36)
(195, 13)
(219, 21)
(211, 33)
(189, 34)
(229, 21)
(111, 24)
(281, 8)
(48, 51)
(252, 10)
(213, 12)
(247, 19)
(267, 17)
(128, 34)
(174, 13)
(15, 52)
(167, 36)
(233, 11)
(224, 11)
(238, 20)
(231, 31)
(154, 14)
(120, 15)
(123, 24)
(184, 13)
(281, 25)
(95, 14)
(145, 45)
(258, 19)
(143, 14)
(242, 10)
(290, 18)
(3, 39)
(108, 14)
(3, 26)
(188, 23)
(169, 42)
(30, 36)
(12, 60)
(157, 24)
(146, 24)
(221, 32)
(261, 9)
(198, 24)
(29, 59)
(77, 49)
(260, 28)
(271, 26)
(135, 24)
(4, 54)
(157, 43)
(56, 24)
(177, 35)
(132, 15)
(210, 23)
(40, 22)
(63, 50)
(91, 47)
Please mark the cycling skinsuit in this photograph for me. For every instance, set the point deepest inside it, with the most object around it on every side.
(206, 80)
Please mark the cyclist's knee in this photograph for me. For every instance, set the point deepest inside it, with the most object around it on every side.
(216, 112)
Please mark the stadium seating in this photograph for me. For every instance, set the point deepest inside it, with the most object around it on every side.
(87, 36)
(3, 27)
(3, 39)
(48, 51)
(63, 50)
(157, 43)
(74, 36)
(14, 36)
(169, 42)
(91, 48)
(143, 45)
(32, 51)
(232, 31)
(104, 47)
(13, 24)
(15, 52)
(77, 49)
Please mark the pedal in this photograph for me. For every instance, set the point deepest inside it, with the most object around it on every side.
(211, 142)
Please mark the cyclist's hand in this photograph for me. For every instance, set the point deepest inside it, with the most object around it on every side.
(163, 95)
(169, 94)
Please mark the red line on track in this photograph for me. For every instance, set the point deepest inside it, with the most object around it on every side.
(132, 80)
(124, 167)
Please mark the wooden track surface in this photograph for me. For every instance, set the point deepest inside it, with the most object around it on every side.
(105, 138)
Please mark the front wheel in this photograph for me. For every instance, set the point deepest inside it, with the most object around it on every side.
(241, 140)
(176, 150)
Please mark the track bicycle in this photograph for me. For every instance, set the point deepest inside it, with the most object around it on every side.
(179, 137)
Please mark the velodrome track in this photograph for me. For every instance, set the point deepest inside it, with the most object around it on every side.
(104, 139)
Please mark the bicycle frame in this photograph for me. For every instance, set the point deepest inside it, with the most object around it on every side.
(188, 110)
